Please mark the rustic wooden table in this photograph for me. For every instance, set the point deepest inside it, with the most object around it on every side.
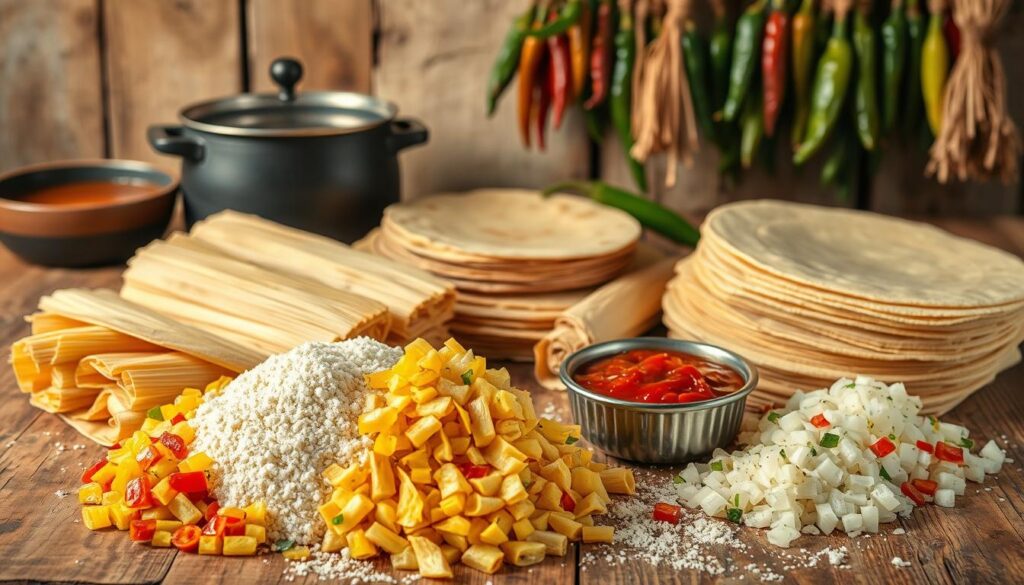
(42, 539)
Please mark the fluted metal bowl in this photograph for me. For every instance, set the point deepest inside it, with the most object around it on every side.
(660, 434)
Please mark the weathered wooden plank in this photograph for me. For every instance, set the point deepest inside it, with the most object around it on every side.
(334, 41)
(162, 56)
(433, 61)
(51, 104)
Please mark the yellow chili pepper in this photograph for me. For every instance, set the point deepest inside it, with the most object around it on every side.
(934, 71)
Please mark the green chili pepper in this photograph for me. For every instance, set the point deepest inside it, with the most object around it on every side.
(695, 56)
(894, 60)
(505, 65)
(569, 15)
(745, 58)
(866, 98)
(593, 119)
(835, 164)
(720, 49)
(651, 215)
(831, 82)
(752, 127)
(621, 98)
(822, 31)
(912, 105)
(803, 61)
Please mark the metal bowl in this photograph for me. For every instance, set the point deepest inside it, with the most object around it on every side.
(660, 434)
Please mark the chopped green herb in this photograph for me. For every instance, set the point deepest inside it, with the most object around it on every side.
(850, 385)
(884, 473)
(734, 515)
(783, 454)
(283, 545)
(892, 437)
(773, 417)
(828, 440)
(338, 519)
(717, 466)
(467, 377)
(814, 452)
(571, 439)
(736, 501)
(155, 414)
(965, 442)
(678, 479)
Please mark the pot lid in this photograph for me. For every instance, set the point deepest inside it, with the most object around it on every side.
(288, 114)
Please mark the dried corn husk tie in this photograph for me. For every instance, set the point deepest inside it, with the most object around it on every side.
(978, 139)
(664, 120)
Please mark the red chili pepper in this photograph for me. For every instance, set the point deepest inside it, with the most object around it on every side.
(142, 530)
(542, 103)
(176, 444)
(147, 457)
(925, 486)
(211, 510)
(912, 493)
(234, 526)
(925, 446)
(215, 526)
(137, 493)
(178, 418)
(88, 473)
(667, 512)
(568, 504)
(531, 59)
(560, 73)
(882, 447)
(946, 452)
(774, 60)
(470, 471)
(601, 57)
(189, 482)
(952, 33)
(819, 421)
(186, 538)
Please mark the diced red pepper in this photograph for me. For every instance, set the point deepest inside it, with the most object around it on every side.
(946, 452)
(176, 444)
(200, 496)
(137, 493)
(912, 493)
(667, 512)
(233, 526)
(115, 446)
(211, 510)
(882, 447)
(215, 527)
(142, 530)
(819, 421)
(925, 486)
(88, 473)
(568, 504)
(147, 457)
(470, 471)
(191, 482)
(106, 485)
(177, 418)
(925, 446)
(186, 538)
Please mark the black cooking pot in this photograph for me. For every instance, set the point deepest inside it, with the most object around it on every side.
(321, 161)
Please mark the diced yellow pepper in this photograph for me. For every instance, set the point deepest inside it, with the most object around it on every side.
(196, 462)
(210, 545)
(161, 539)
(258, 532)
(377, 421)
(126, 471)
(168, 525)
(110, 498)
(122, 515)
(185, 431)
(493, 535)
(157, 513)
(295, 553)
(240, 546)
(105, 473)
(333, 542)
(169, 411)
(360, 547)
(163, 468)
(232, 512)
(90, 493)
(163, 492)
(96, 517)
(184, 510)
(256, 513)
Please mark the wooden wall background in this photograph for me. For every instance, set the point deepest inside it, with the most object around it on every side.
(84, 78)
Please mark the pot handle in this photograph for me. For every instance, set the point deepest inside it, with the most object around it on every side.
(170, 140)
(406, 132)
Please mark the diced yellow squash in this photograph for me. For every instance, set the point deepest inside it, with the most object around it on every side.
(377, 421)
(168, 525)
(240, 546)
(105, 473)
(382, 478)
(385, 444)
(196, 462)
(422, 429)
(488, 485)
(380, 535)
(453, 504)
(96, 517)
(555, 544)
(157, 513)
(332, 542)
(454, 525)
(90, 493)
(330, 511)
(256, 513)
(232, 512)
(210, 545)
(359, 546)
(481, 424)
(258, 532)
(184, 510)
(163, 468)
(512, 490)
(523, 528)
(122, 515)
(348, 478)
(524, 554)
(110, 498)
(562, 525)
(598, 533)
(483, 557)
(493, 534)
(591, 504)
(430, 559)
(521, 510)
(405, 560)
(410, 502)
(477, 505)
(161, 539)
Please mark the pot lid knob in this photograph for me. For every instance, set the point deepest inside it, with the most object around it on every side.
(286, 73)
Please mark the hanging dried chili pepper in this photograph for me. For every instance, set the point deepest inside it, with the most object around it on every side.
(621, 91)
(695, 56)
(560, 74)
(752, 127)
(774, 61)
(828, 94)
(579, 50)
(601, 56)
(912, 92)
(543, 92)
(894, 59)
(934, 66)
(952, 33)
(505, 65)
(720, 50)
(746, 48)
(866, 91)
(529, 62)
(803, 61)
(568, 16)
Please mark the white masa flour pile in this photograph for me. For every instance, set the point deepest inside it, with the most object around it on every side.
(275, 428)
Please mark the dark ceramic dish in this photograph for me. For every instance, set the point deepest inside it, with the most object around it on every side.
(88, 233)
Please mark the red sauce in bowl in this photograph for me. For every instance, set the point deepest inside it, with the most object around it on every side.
(89, 193)
(658, 376)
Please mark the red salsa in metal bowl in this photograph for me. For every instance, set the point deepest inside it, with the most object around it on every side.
(658, 376)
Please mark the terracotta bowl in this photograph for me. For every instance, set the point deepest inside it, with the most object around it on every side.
(85, 233)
